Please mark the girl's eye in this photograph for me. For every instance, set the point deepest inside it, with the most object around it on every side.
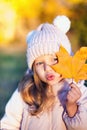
(55, 60)
(39, 63)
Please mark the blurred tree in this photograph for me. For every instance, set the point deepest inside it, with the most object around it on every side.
(76, 1)
(52, 8)
(7, 22)
(26, 8)
(79, 23)
(18, 17)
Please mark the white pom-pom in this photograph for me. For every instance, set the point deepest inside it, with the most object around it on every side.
(63, 23)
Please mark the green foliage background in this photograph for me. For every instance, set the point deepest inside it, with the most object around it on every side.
(12, 69)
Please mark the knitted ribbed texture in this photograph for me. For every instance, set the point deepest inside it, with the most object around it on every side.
(45, 40)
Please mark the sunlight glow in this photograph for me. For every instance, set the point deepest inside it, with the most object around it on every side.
(7, 22)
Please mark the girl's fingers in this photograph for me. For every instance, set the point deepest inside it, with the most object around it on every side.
(74, 93)
(75, 89)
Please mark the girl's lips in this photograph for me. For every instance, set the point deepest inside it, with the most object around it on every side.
(50, 77)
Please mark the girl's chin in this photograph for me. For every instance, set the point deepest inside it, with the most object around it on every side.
(54, 83)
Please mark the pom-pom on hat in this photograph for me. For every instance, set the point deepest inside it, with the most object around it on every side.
(47, 38)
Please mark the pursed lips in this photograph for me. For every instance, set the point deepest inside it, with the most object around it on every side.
(50, 77)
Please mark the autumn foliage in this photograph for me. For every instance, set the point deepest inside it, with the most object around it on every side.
(74, 67)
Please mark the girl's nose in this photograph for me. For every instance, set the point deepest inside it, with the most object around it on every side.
(47, 67)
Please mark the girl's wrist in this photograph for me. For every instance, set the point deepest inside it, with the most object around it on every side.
(71, 109)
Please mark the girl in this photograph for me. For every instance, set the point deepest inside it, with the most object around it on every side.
(44, 99)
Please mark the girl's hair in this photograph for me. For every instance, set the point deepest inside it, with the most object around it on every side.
(37, 94)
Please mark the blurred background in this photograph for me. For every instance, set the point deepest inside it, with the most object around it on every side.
(19, 17)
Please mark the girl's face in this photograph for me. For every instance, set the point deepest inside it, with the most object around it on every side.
(45, 72)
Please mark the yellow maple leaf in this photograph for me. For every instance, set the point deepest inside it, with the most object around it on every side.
(74, 67)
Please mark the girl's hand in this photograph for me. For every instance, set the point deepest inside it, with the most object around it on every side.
(72, 97)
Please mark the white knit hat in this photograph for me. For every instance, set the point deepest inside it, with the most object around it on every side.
(47, 38)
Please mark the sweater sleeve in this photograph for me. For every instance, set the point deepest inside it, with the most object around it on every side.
(79, 121)
(13, 113)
